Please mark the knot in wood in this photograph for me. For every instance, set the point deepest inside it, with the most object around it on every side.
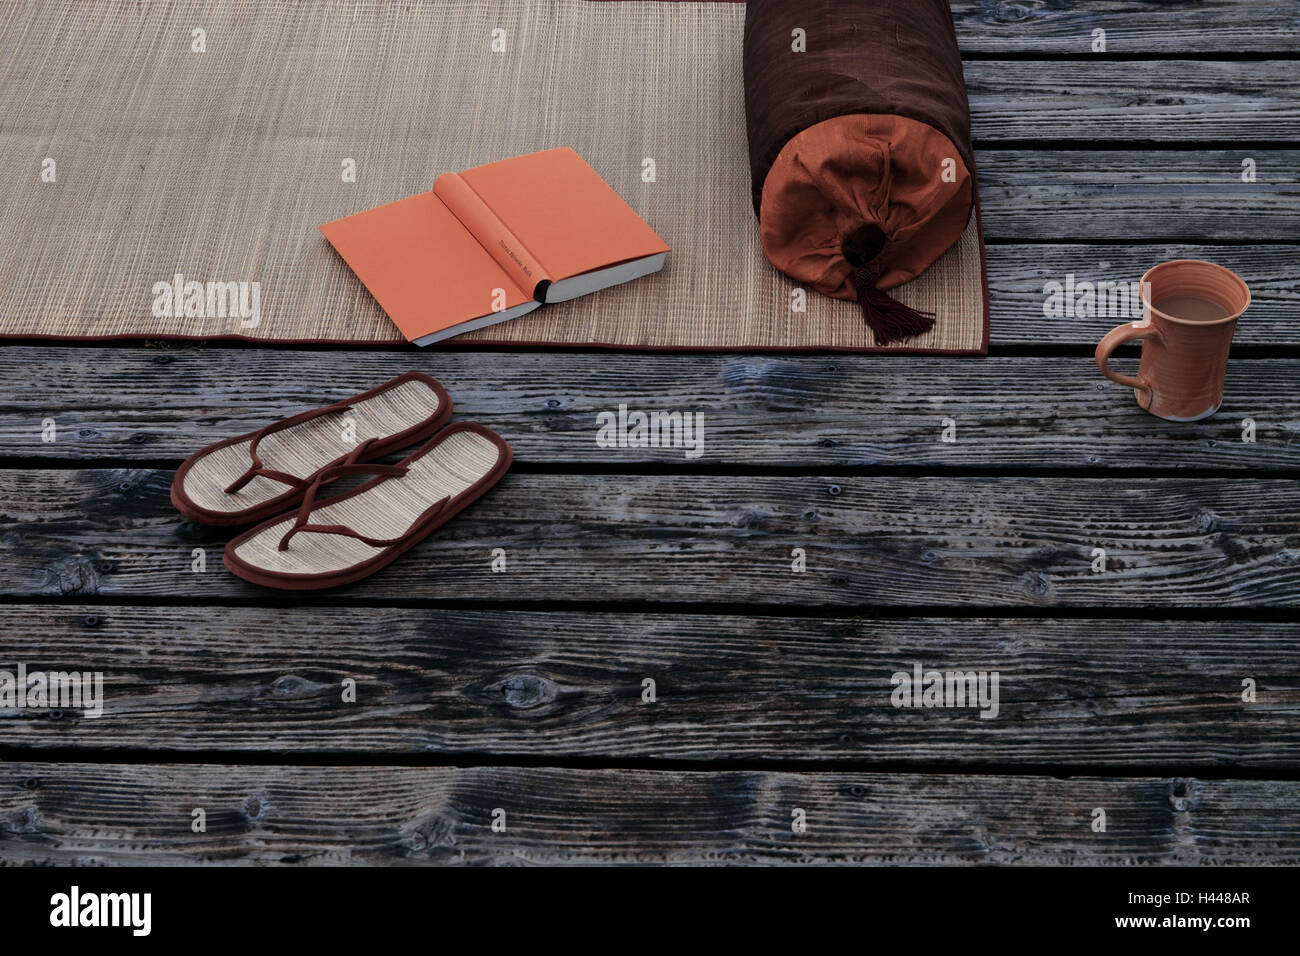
(523, 691)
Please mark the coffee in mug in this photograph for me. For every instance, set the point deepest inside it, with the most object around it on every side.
(1190, 313)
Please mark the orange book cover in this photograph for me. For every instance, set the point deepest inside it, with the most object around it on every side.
(495, 242)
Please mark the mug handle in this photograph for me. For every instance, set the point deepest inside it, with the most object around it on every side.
(1115, 338)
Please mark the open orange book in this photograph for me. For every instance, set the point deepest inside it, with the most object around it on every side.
(495, 242)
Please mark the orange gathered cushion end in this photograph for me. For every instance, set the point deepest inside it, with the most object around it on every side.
(858, 169)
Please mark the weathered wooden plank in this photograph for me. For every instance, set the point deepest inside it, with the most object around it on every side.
(1140, 195)
(1082, 693)
(1018, 277)
(926, 541)
(96, 814)
(757, 410)
(1156, 100)
(1132, 26)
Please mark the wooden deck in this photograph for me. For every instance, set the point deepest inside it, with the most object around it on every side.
(522, 691)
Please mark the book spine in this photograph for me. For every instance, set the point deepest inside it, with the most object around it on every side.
(485, 226)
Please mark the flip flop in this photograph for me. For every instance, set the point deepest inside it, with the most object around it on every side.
(262, 473)
(351, 536)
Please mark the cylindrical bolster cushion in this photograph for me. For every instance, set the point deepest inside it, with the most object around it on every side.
(859, 139)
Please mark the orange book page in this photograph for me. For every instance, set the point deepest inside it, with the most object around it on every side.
(421, 265)
(569, 218)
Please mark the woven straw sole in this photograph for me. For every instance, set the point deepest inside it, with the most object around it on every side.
(399, 413)
(460, 464)
(229, 161)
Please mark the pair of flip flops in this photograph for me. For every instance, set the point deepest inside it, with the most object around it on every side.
(274, 476)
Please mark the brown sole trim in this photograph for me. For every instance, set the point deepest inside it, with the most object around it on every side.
(314, 582)
(274, 506)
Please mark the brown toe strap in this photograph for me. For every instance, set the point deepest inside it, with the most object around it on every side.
(258, 469)
(425, 517)
(351, 467)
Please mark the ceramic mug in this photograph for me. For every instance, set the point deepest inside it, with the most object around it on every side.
(1190, 312)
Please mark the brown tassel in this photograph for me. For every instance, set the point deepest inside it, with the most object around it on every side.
(888, 318)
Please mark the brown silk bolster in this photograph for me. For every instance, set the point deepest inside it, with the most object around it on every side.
(860, 56)
(857, 115)
(855, 170)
